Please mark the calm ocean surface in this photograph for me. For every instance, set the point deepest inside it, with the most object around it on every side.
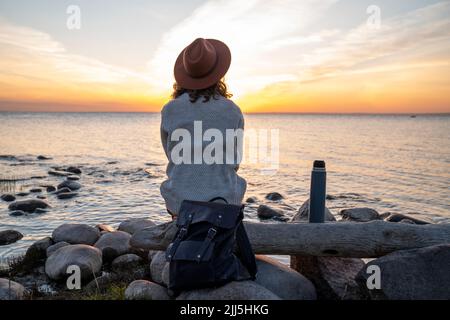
(389, 163)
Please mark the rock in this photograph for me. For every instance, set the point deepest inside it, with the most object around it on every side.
(71, 184)
(76, 233)
(22, 194)
(40, 157)
(330, 197)
(51, 249)
(165, 275)
(133, 225)
(397, 217)
(283, 281)
(151, 255)
(87, 258)
(105, 227)
(9, 236)
(101, 284)
(236, 290)
(303, 213)
(157, 265)
(66, 195)
(113, 244)
(11, 290)
(38, 250)
(333, 277)
(126, 262)
(73, 170)
(74, 178)
(59, 173)
(35, 190)
(17, 213)
(266, 212)
(29, 205)
(8, 197)
(145, 290)
(41, 197)
(274, 196)
(50, 188)
(251, 200)
(359, 214)
(415, 274)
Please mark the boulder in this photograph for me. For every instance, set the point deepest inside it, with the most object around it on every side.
(29, 205)
(76, 234)
(283, 281)
(251, 200)
(66, 195)
(333, 277)
(75, 178)
(35, 190)
(73, 169)
(236, 290)
(50, 188)
(22, 194)
(274, 196)
(145, 290)
(51, 249)
(71, 184)
(157, 265)
(126, 262)
(136, 224)
(165, 275)
(9, 236)
(415, 274)
(11, 290)
(303, 213)
(113, 244)
(38, 250)
(359, 214)
(41, 157)
(266, 212)
(87, 258)
(17, 213)
(398, 217)
(101, 284)
(8, 197)
(105, 228)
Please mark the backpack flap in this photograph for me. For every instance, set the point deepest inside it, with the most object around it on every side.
(191, 250)
(218, 214)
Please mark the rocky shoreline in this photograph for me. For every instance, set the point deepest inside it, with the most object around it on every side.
(111, 268)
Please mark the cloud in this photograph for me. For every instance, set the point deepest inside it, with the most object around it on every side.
(270, 45)
(248, 28)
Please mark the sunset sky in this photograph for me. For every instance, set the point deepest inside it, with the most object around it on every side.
(325, 56)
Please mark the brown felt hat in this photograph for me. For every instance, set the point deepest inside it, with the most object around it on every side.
(202, 63)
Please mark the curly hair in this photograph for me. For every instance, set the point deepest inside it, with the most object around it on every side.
(214, 91)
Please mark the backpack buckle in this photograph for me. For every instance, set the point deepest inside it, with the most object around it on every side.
(211, 233)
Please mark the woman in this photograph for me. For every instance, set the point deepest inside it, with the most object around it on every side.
(200, 99)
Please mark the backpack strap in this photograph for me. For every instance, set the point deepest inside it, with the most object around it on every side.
(245, 250)
(182, 231)
(218, 198)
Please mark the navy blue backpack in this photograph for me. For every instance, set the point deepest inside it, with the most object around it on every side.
(210, 248)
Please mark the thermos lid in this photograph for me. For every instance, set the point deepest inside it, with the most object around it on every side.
(319, 164)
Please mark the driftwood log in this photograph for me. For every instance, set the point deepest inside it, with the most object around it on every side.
(339, 239)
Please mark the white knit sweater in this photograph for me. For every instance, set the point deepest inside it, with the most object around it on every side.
(200, 182)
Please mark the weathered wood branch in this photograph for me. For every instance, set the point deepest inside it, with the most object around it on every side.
(343, 239)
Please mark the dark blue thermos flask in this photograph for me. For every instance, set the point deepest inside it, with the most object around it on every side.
(318, 192)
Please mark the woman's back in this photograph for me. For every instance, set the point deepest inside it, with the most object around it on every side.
(203, 143)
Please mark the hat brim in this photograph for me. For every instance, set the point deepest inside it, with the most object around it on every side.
(185, 81)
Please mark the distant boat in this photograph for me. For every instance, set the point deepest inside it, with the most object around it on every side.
(412, 116)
